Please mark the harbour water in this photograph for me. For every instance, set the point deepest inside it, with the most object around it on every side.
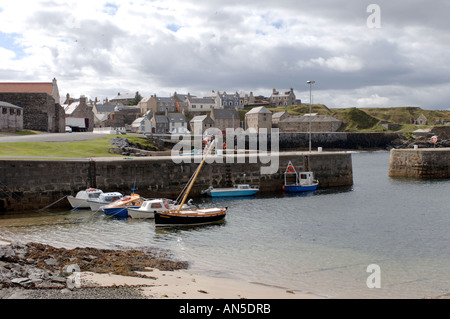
(321, 242)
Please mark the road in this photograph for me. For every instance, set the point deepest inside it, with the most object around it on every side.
(50, 137)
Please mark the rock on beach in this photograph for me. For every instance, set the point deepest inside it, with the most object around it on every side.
(43, 270)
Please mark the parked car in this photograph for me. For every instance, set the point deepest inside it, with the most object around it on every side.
(68, 129)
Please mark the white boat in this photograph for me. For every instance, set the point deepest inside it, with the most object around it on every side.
(80, 201)
(104, 199)
(149, 207)
(237, 190)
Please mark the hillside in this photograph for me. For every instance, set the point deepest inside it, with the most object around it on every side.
(368, 119)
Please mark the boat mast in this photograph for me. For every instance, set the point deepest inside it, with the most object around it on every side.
(195, 176)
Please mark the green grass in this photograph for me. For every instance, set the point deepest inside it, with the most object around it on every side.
(92, 148)
(97, 147)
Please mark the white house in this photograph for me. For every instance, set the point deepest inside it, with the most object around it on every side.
(143, 124)
(177, 122)
(11, 117)
(200, 104)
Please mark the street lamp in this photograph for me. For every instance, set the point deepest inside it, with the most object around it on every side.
(310, 98)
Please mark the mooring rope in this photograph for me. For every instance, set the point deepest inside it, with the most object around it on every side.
(52, 203)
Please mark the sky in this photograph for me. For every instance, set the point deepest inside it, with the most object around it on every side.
(374, 53)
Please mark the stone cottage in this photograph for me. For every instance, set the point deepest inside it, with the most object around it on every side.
(421, 120)
(278, 116)
(158, 104)
(258, 118)
(319, 123)
(177, 122)
(11, 117)
(160, 124)
(40, 102)
(282, 98)
(82, 112)
(201, 123)
(225, 118)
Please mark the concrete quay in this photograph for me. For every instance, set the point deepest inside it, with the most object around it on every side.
(423, 163)
(30, 184)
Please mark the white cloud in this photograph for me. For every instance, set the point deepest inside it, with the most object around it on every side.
(338, 63)
(371, 101)
(100, 47)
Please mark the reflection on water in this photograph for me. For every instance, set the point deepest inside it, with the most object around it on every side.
(321, 241)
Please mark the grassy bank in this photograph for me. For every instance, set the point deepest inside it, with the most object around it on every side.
(98, 147)
(368, 119)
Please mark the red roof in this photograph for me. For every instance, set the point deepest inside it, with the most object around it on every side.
(27, 88)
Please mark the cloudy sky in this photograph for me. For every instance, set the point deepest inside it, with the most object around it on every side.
(395, 53)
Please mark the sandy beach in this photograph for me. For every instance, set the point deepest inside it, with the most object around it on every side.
(183, 284)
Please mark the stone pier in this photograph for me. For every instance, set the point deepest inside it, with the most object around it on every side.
(29, 184)
(420, 163)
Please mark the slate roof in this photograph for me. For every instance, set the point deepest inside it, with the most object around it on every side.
(6, 104)
(176, 117)
(260, 109)
(224, 114)
(161, 119)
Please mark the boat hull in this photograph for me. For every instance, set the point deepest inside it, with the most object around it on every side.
(168, 219)
(299, 189)
(135, 213)
(96, 206)
(232, 193)
(78, 203)
(120, 212)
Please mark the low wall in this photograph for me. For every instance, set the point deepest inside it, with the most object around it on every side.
(326, 140)
(34, 184)
(420, 163)
(338, 140)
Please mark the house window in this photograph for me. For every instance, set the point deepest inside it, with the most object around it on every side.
(19, 112)
(194, 106)
(11, 111)
(5, 110)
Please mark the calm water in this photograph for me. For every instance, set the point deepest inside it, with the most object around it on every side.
(321, 242)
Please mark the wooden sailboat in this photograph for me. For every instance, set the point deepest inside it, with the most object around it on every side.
(188, 217)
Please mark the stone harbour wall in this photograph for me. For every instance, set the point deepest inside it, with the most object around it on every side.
(420, 163)
(35, 184)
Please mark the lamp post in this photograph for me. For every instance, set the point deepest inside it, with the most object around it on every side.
(310, 98)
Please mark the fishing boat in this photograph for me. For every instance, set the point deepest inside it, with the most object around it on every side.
(237, 190)
(189, 217)
(304, 181)
(149, 207)
(120, 207)
(80, 200)
(103, 200)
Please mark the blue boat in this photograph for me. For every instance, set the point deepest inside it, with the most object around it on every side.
(304, 181)
(120, 207)
(237, 190)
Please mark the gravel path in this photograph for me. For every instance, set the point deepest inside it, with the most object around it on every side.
(81, 293)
